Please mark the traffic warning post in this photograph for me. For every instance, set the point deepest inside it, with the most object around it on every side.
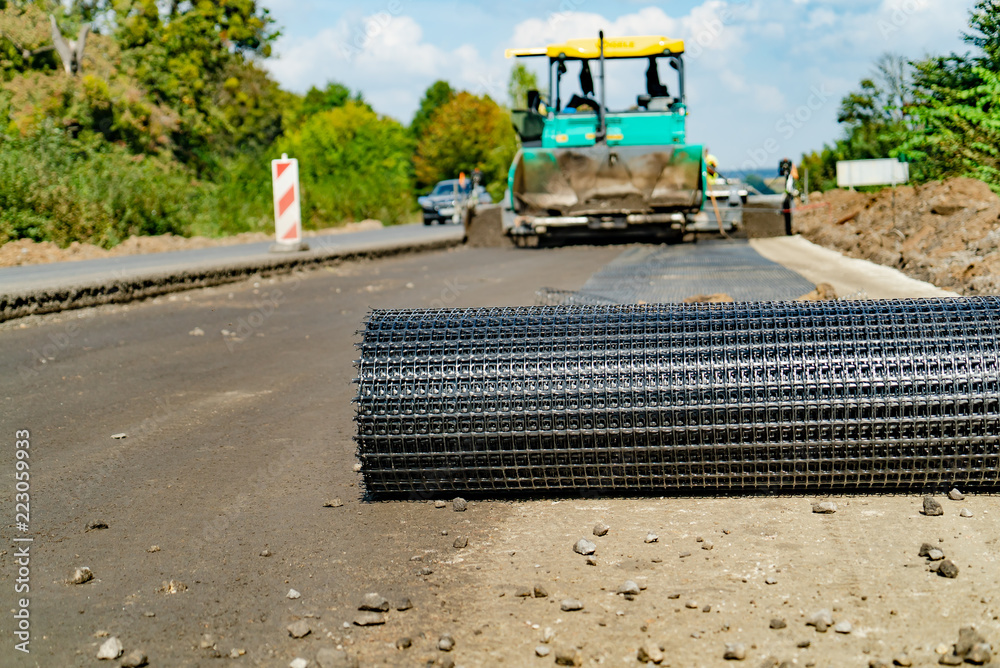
(287, 205)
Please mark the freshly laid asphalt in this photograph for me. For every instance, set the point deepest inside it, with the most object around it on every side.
(46, 288)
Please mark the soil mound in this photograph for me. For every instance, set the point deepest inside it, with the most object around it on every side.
(944, 232)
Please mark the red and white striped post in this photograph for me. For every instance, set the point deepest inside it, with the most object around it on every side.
(287, 205)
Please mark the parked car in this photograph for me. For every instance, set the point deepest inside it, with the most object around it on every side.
(443, 203)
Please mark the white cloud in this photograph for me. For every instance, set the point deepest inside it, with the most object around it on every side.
(385, 57)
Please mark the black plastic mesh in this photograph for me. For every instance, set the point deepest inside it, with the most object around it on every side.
(747, 396)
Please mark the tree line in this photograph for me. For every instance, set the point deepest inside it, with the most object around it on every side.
(940, 113)
(124, 117)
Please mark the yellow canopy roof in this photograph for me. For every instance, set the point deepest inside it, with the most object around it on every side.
(614, 47)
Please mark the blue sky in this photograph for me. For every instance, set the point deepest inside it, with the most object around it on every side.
(764, 77)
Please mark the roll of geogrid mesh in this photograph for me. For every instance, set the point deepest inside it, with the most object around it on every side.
(723, 397)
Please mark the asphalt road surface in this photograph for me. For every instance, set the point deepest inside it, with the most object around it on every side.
(235, 403)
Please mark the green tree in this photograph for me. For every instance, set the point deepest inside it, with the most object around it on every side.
(958, 131)
(182, 52)
(354, 165)
(437, 95)
(984, 21)
(877, 121)
(521, 81)
(467, 133)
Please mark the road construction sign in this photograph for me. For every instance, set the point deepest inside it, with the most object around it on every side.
(287, 201)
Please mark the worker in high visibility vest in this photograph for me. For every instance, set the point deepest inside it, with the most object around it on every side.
(712, 165)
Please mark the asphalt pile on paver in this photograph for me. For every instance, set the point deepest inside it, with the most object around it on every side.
(946, 233)
(26, 251)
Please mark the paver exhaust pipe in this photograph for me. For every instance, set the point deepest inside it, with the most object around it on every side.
(745, 397)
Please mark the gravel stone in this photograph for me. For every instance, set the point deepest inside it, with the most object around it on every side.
(299, 662)
(951, 660)
(902, 660)
(935, 554)
(736, 651)
(446, 643)
(568, 657)
(965, 512)
(707, 608)
(293, 594)
(652, 538)
(948, 569)
(570, 605)
(542, 650)
(356, 468)
(539, 591)
(778, 623)
(440, 504)
(172, 587)
(522, 592)
(265, 553)
(374, 602)
(824, 507)
(461, 542)
(369, 619)
(459, 505)
(968, 637)
(330, 657)
(425, 571)
(925, 549)
(771, 580)
(96, 525)
(135, 659)
(299, 629)
(821, 619)
(707, 545)
(650, 653)
(691, 605)
(548, 634)
(111, 649)
(601, 529)
(931, 507)
(404, 604)
(404, 643)
(843, 627)
(333, 503)
(207, 641)
(584, 547)
(82, 575)
(956, 495)
(628, 587)
(979, 654)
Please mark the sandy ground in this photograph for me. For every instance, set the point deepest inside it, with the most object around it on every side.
(236, 405)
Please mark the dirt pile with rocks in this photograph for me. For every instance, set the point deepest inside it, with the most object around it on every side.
(26, 251)
(944, 232)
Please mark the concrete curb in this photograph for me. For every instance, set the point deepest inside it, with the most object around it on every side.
(143, 285)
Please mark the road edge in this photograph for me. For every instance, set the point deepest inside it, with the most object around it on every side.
(143, 286)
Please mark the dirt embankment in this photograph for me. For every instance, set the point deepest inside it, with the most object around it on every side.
(946, 233)
(26, 251)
